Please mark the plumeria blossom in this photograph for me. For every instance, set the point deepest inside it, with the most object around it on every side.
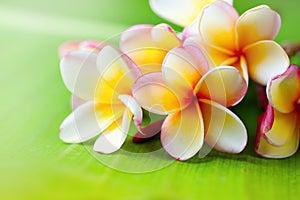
(180, 12)
(103, 81)
(245, 42)
(194, 98)
(279, 127)
(147, 45)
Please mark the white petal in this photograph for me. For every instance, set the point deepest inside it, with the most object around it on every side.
(134, 108)
(181, 12)
(80, 74)
(182, 132)
(259, 23)
(265, 59)
(85, 123)
(224, 85)
(113, 138)
(224, 131)
(217, 25)
(165, 37)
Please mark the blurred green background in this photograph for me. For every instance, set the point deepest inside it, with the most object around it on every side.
(35, 164)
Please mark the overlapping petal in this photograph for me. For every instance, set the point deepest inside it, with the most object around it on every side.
(217, 25)
(105, 93)
(152, 93)
(114, 136)
(165, 37)
(88, 45)
(265, 149)
(265, 59)
(182, 132)
(283, 126)
(259, 23)
(224, 85)
(80, 74)
(148, 132)
(224, 131)
(180, 12)
(87, 121)
(283, 91)
(137, 36)
(183, 67)
(117, 70)
(138, 44)
(133, 107)
(147, 45)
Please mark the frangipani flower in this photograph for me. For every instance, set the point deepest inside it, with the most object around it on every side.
(195, 98)
(147, 45)
(104, 81)
(279, 127)
(181, 12)
(245, 42)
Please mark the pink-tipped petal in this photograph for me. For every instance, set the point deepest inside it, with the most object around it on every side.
(92, 46)
(192, 30)
(87, 121)
(265, 149)
(88, 45)
(114, 136)
(259, 23)
(138, 43)
(152, 93)
(165, 37)
(135, 37)
(196, 41)
(224, 85)
(265, 59)
(182, 132)
(134, 108)
(224, 131)
(217, 25)
(80, 74)
(262, 96)
(283, 90)
(117, 70)
(148, 132)
(267, 119)
(67, 47)
(277, 127)
(183, 67)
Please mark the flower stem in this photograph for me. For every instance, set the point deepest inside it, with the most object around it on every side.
(292, 48)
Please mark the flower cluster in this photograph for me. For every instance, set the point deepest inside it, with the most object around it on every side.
(278, 128)
(191, 78)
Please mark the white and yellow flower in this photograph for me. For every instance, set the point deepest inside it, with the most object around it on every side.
(103, 81)
(279, 128)
(194, 98)
(245, 42)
